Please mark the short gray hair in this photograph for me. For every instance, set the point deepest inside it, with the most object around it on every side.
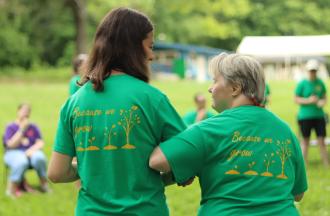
(242, 70)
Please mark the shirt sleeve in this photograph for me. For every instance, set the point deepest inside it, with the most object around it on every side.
(64, 142)
(188, 118)
(324, 90)
(170, 122)
(299, 89)
(300, 183)
(73, 87)
(9, 133)
(209, 114)
(37, 132)
(185, 154)
(267, 90)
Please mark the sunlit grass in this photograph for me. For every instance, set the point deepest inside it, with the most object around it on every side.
(46, 99)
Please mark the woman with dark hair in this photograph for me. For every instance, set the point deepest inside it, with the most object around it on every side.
(113, 123)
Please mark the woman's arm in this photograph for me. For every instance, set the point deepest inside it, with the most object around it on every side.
(15, 140)
(39, 144)
(61, 169)
(158, 161)
(322, 102)
(304, 101)
(167, 178)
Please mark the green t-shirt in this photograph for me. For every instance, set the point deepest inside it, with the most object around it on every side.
(305, 89)
(113, 133)
(73, 87)
(267, 93)
(190, 117)
(248, 162)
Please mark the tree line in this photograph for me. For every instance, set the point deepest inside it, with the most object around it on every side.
(46, 32)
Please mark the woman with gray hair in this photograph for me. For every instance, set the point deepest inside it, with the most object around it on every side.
(248, 161)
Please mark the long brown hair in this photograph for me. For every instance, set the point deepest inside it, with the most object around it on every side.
(118, 46)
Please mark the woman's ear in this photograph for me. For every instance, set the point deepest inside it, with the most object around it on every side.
(236, 90)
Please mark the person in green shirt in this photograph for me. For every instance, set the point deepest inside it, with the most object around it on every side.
(311, 96)
(113, 123)
(248, 161)
(77, 64)
(267, 95)
(200, 113)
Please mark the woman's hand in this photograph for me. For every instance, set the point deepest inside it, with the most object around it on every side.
(23, 124)
(188, 182)
(321, 103)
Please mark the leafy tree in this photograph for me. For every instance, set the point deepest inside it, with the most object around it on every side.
(14, 43)
(52, 32)
(78, 8)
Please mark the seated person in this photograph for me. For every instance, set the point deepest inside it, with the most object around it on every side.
(200, 113)
(23, 149)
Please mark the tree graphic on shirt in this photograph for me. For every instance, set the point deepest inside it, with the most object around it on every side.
(127, 122)
(284, 153)
(268, 162)
(233, 171)
(92, 147)
(251, 171)
(80, 147)
(109, 133)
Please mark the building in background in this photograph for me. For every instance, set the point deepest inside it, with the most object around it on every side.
(284, 57)
(174, 60)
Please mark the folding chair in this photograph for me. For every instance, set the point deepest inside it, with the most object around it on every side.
(6, 169)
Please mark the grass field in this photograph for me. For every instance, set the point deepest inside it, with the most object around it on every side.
(46, 99)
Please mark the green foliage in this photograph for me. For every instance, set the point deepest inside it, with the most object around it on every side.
(15, 48)
(43, 31)
(46, 99)
(33, 31)
(14, 44)
(39, 74)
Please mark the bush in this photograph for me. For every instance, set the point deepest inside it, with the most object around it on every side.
(15, 49)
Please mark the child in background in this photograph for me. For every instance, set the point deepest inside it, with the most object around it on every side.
(200, 113)
(77, 65)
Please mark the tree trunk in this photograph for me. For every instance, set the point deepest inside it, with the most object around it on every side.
(78, 8)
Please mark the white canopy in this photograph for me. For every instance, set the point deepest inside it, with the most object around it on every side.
(285, 46)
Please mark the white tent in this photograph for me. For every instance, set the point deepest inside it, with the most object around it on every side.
(285, 56)
(285, 46)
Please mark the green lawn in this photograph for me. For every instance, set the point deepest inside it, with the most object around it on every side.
(46, 99)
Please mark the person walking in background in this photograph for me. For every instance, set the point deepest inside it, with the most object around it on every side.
(248, 161)
(113, 123)
(23, 149)
(311, 96)
(200, 113)
(78, 62)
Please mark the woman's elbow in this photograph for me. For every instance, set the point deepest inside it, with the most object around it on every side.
(54, 177)
(154, 162)
(10, 145)
(158, 161)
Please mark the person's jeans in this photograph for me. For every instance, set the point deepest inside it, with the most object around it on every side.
(18, 163)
